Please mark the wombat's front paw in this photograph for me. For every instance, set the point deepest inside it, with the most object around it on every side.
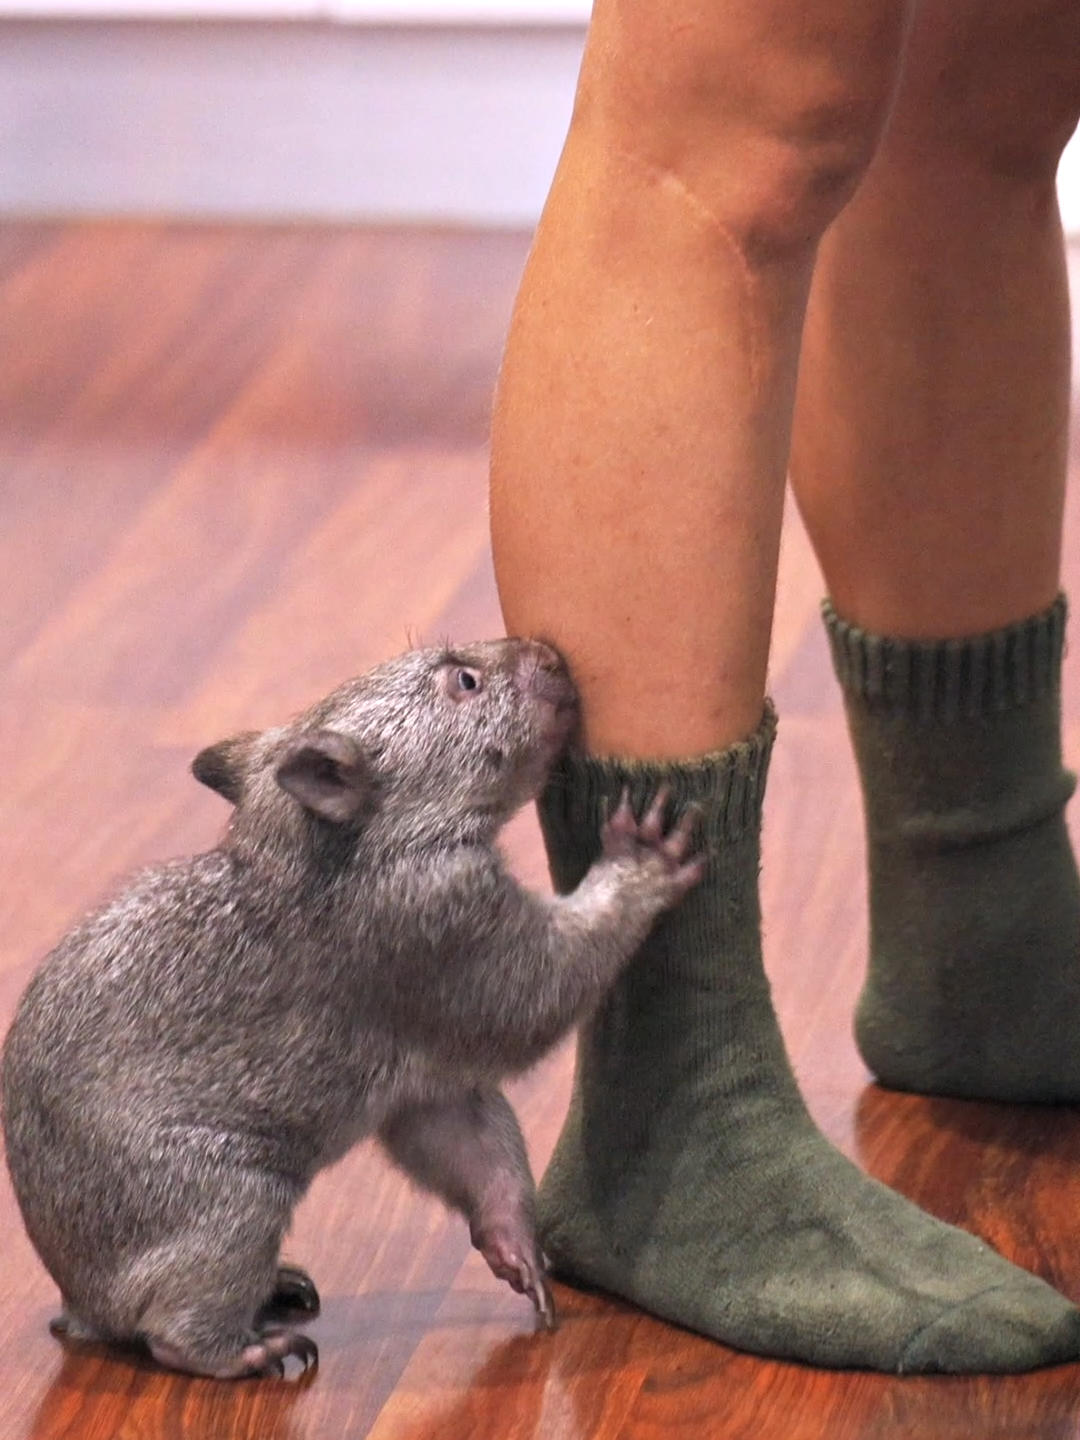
(663, 854)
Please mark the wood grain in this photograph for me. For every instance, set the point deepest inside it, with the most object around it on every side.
(237, 465)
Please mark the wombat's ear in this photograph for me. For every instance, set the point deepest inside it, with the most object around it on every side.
(326, 771)
(222, 766)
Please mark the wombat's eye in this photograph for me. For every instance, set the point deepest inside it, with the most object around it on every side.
(466, 681)
(460, 682)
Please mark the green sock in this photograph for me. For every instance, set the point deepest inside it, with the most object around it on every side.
(973, 985)
(689, 1177)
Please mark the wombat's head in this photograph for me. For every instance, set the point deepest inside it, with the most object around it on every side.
(436, 743)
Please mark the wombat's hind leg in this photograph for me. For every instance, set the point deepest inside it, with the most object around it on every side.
(470, 1151)
(215, 1331)
(204, 1291)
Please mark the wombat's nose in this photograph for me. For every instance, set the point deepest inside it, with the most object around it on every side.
(544, 672)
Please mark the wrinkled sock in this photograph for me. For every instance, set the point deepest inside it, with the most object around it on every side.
(689, 1177)
(973, 985)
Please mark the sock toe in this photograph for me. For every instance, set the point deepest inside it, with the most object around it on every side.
(1018, 1325)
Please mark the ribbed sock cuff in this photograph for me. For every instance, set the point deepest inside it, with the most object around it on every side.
(727, 787)
(944, 680)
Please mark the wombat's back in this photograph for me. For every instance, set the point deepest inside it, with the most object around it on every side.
(80, 1077)
(142, 1057)
(188, 1031)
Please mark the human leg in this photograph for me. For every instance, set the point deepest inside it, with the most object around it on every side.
(929, 461)
(642, 425)
(640, 445)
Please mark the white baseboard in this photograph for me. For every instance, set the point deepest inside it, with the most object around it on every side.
(258, 118)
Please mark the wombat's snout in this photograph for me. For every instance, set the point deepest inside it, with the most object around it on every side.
(543, 675)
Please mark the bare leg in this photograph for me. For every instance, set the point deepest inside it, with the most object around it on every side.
(470, 1152)
(929, 461)
(641, 432)
(929, 453)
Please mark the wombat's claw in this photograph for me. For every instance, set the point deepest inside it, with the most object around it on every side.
(621, 833)
(529, 1279)
(263, 1358)
(622, 822)
(624, 832)
(268, 1357)
(626, 837)
(508, 1261)
(651, 829)
(294, 1292)
(545, 1304)
(679, 841)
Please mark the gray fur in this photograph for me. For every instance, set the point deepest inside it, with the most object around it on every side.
(352, 959)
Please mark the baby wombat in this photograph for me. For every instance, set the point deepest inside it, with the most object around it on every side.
(352, 959)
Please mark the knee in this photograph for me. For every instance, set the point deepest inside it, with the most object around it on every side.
(766, 121)
(993, 85)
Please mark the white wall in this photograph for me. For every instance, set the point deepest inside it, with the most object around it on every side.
(394, 12)
(313, 119)
(310, 117)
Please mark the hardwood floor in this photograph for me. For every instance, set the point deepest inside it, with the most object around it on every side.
(236, 466)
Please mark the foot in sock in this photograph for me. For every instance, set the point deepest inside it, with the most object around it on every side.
(974, 963)
(689, 1177)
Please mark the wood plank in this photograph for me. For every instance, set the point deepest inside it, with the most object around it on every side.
(239, 465)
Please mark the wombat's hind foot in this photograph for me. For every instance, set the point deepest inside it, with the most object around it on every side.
(511, 1256)
(294, 1293)
(263, 1357)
